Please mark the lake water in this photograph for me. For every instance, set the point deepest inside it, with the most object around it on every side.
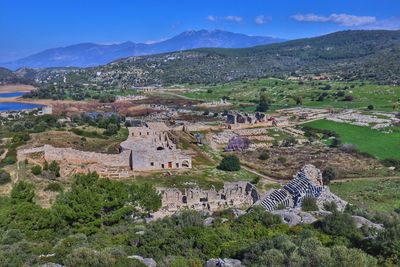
(13, 94)
(7, 106)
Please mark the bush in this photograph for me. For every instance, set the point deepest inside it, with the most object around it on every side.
(282, 160)
(4, 177)
(370, 107)
(55, 187)
(309, 204)
(264, 155)
(9, 160)
(290, 141)
(36, 170)
(348, 98)
(336, 142)
(391, 163)
(55, 168)
(229, 163)
(349, 148)
(328, 175)
(330, 206)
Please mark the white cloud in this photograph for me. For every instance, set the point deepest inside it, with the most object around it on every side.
(234, 18)
(231, 18)
(261, 19)
(340, 19)
(211, 18)
(392, 23)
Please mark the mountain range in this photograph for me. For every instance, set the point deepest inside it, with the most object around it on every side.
(91, 54)
(347, 55)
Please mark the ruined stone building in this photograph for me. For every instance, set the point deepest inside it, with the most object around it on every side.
(240, 194)
(147, 148)
(151, 149)
(245, 118)
(306, 183)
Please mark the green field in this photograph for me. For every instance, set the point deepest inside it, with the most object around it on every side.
(379, 144)
(378, 195)
(281, 92)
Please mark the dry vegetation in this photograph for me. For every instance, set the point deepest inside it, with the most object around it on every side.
(347, 165)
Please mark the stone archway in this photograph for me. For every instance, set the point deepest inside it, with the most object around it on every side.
(185, 164)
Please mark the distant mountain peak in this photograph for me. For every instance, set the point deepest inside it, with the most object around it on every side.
(92, 54)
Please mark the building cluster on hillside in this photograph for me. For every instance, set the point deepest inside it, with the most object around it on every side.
(148, 147)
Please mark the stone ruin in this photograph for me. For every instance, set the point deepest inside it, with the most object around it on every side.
(147, 148)
(237, 143)
(306, 183)
(245, 118)
(240, 194)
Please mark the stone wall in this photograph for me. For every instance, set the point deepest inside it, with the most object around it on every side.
(238, 194)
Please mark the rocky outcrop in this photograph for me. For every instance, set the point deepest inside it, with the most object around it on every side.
(224, 263)
(149, 262)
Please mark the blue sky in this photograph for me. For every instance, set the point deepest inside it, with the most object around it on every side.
(30, 26)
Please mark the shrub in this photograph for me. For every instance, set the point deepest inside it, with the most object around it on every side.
(4, 177)
(348, 98)
(55, 168)
(256, 180)
(370, 107)
(36, 170)
(9, 160)
(349, 148)
(336, 142)
(22, 192)
(55, 187)
(330, 206)
(329, 174)
(229, 163)
(264, 155)
(290, 141)
(391, 163)
(309, 204)
(112, 129)
(282, 160)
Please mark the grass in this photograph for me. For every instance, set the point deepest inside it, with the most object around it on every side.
(281, 92)
(378, 194)
(379, 144)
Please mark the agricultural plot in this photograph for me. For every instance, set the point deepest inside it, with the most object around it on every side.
(377, 143)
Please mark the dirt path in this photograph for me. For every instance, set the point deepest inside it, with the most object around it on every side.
(265, 179)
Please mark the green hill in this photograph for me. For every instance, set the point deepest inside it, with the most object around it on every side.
(348, 55)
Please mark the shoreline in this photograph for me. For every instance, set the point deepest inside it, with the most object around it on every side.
(12, 88)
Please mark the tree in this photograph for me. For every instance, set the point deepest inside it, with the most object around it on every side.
(340, 224)
(22, 192)
(112, 129)
(289, 141)
(263, 104)
(229, 163)
(4, 177)
(36, 170)
(329, 174)
(55, 168)
(298, 100)
(264, 155)
(309, 204)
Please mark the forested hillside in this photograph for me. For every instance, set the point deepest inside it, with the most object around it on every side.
(347, 55)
